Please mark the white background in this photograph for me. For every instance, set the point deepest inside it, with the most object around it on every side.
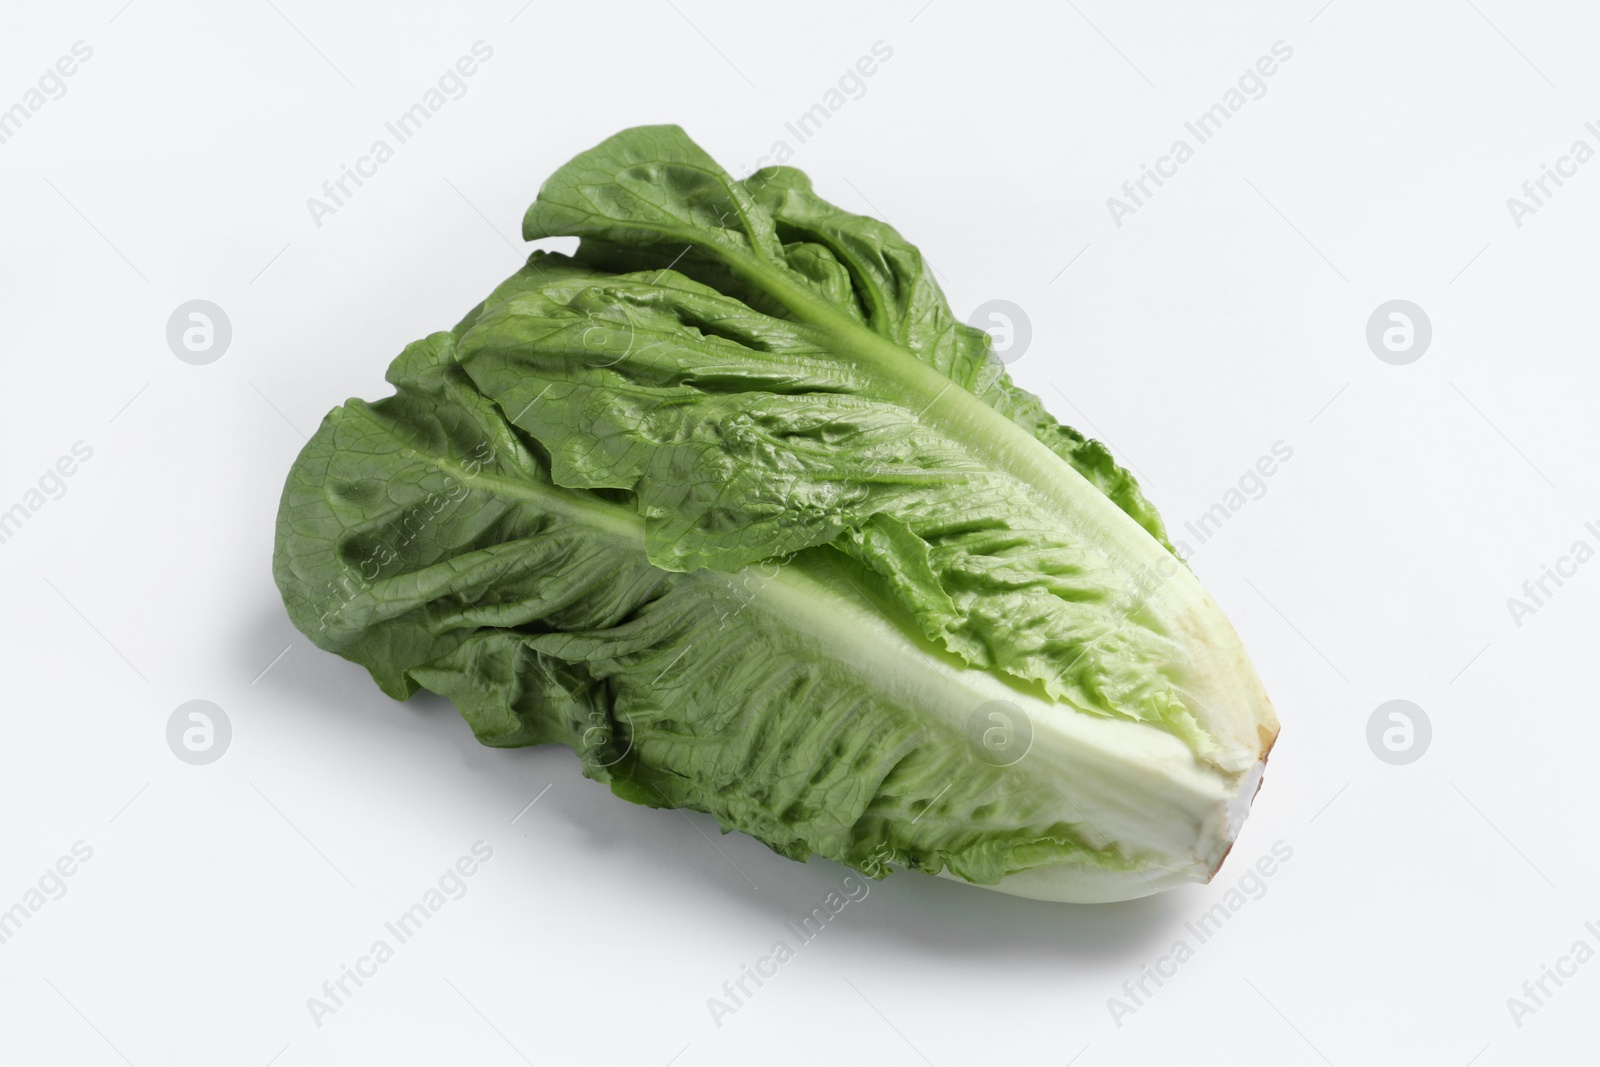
(1227, 314)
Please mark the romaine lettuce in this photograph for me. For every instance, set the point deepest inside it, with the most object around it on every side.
(730, 503)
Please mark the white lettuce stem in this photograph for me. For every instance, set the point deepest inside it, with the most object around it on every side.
(1125, 785)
